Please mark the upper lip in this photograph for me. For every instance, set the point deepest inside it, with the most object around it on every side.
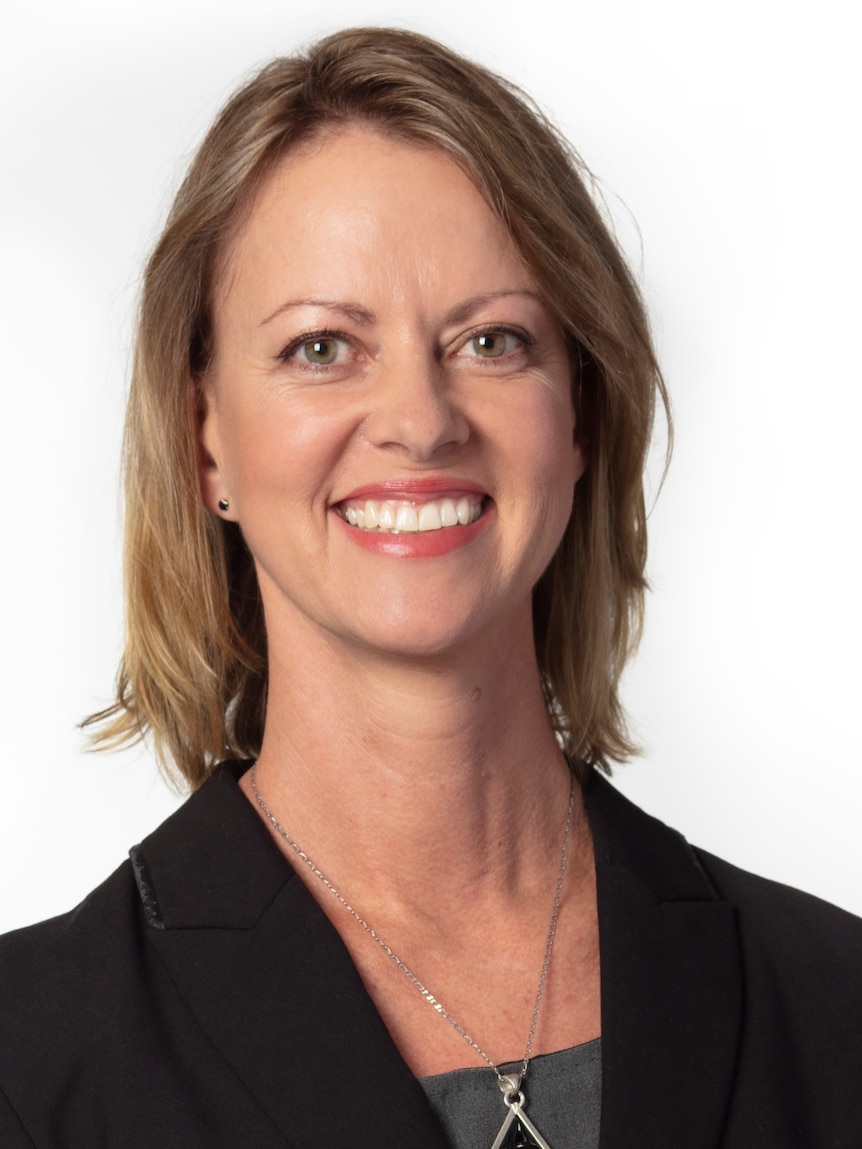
(415, 488)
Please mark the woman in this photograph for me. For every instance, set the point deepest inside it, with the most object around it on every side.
(391, 401)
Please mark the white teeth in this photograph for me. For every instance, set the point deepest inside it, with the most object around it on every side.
(448, 514)
(407, 519)
(429, 517)
(393, 515)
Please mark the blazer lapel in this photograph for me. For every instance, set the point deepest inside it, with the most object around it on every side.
(671, 983)
(238, 931)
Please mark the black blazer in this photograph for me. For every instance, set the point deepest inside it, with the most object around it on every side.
(201, 999)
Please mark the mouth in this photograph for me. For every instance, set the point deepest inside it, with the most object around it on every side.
(411, 516)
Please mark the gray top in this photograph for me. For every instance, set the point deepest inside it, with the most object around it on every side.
(562, 1091)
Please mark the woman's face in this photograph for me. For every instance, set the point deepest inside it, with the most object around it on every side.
(384, 363)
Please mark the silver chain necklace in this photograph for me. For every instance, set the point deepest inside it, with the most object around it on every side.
(517, 1131)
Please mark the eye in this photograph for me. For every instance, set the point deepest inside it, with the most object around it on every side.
(316, 350)
(492, 344)
(496, 343)
(322, 351)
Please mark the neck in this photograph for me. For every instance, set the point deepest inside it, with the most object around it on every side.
(414, 779)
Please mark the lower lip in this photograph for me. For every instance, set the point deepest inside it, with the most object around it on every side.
(417, 544)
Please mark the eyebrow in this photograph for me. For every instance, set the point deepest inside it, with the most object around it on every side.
(354, 311)
(470, 306)
(362, 315)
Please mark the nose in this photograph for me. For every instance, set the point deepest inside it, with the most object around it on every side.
(414, 409)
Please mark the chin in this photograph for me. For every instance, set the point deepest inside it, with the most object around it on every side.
(433, 634)
(418, 646)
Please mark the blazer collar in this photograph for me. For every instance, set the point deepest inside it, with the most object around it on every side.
(238, 930)
(671, 982)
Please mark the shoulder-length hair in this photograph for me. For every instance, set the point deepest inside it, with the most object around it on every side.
(194, 669)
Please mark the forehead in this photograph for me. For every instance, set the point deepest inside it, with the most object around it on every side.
(359, 209)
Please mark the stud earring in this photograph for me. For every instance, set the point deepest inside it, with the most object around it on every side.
(223, 504)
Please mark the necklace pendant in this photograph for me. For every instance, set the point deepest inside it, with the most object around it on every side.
(518, 1131)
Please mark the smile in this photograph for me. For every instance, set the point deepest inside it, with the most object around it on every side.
(396, 516)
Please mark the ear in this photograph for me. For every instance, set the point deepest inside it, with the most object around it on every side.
(213, 485)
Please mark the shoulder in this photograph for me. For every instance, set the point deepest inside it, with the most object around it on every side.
(95, 1031)
(673, 869)
(803, 937)
(801, 964)
(777, 906)
(70, 996)
(69, 948)
(806, 949)
(80, 960)
(88, 958)
(747, 993)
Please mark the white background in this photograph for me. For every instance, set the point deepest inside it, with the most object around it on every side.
(731, 134)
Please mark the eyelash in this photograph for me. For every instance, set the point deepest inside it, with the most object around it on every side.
(310, 337)
(524, 338)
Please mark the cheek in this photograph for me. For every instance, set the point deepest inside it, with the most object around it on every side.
(286, 448)
(542, 434)
(548, 463)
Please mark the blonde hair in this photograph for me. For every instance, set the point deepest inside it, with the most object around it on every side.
(194, 670)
